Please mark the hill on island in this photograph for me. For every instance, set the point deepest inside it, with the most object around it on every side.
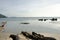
(2, 16)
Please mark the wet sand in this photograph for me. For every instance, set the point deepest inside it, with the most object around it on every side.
(5, 36)
(1, 28)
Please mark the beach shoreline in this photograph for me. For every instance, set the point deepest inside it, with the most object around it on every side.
(5, 36)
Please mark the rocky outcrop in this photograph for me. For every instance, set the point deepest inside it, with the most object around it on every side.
(14, 37)
(42, 19)
(20, 36)
(53, 19)
(35, 36)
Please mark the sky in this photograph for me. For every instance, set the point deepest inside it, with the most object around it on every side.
(30, 8)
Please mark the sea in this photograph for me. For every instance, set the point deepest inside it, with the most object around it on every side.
(32, 24)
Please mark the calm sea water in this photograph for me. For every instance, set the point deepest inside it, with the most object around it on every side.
(14, 25)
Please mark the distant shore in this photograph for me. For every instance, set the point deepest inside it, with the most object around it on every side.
(2, 16)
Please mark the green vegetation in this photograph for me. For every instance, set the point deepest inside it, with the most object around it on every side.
(2, 16)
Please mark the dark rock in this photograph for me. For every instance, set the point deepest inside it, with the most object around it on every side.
(25, 23)
(53, 19)
(35, 36)
(48, 38)
(33, 33)
(27, 35)
(40, 19)
(45, 19)
(38, 36)
(14, 37)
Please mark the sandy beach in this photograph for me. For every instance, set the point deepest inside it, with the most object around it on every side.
(1, 29)
(5, 36)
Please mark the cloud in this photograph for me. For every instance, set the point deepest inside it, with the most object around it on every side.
(52, 10)
(30, 7)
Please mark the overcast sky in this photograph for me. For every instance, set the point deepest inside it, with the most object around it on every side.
(30, 8)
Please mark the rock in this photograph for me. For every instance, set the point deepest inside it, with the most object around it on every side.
(53, 19)
(48, 38)
(36, 36)
(40, 19)
(45, 19)
(20, 36)
(14, 37)
(25, 23)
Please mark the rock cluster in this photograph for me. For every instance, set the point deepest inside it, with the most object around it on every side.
(35, 36)
(52, 19)
(32, 36)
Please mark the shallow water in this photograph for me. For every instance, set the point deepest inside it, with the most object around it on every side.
(14, 25)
